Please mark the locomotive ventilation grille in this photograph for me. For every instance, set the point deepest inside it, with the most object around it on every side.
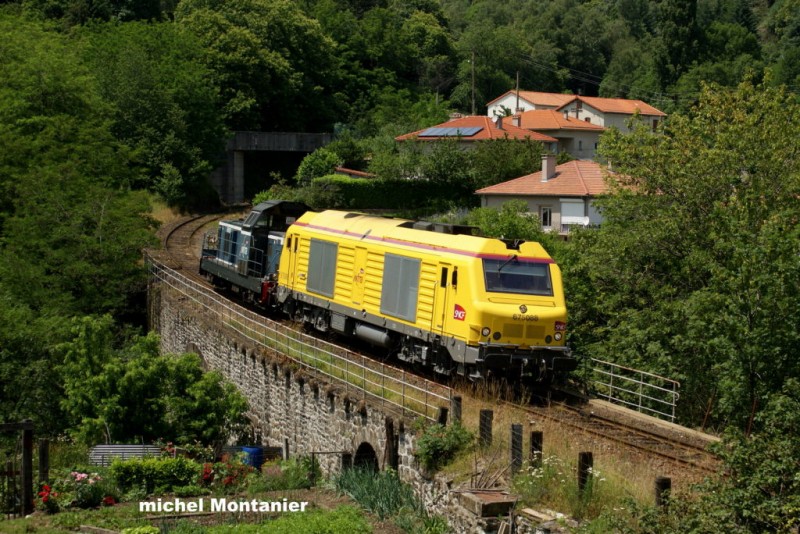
(516, 331)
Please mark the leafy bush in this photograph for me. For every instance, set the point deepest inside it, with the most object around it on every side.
(154, 395)
(163, 474)
(88, 490)
(288, 475)
(438, 444)
(319, 163)
(48, 500)
(344, 192)
(231, 475)
(414, 521)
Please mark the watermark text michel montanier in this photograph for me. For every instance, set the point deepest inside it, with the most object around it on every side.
(220, 505)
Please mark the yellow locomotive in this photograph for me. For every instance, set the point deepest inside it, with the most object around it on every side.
(458, 303)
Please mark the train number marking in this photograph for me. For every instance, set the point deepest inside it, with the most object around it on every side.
(459, 313)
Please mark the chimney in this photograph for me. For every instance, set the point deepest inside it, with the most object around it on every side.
(499, 122)
(548, 166)
(456, 115)
(516, 120)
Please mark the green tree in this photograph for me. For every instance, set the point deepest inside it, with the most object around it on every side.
(781, 28)
(133, 393)
(275, 67)
(756, 492)
(76, 12)
(498, 160)
(73, 232)
(164, 105)
(694, 273)
(511, 221)
(321, 162)
(28, 387)
(762, 491)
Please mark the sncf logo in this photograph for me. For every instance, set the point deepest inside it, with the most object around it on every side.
(459, 313)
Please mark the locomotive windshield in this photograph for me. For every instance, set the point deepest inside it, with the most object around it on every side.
(517, 276)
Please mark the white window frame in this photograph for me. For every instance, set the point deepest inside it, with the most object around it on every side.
(549, 211)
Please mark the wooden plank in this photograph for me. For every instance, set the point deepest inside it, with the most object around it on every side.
(11, 427)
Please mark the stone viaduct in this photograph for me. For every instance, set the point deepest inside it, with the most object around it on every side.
(295, 409)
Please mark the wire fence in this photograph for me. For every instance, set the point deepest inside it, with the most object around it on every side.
(360, 376)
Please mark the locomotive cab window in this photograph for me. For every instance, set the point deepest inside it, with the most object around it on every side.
(513, 275)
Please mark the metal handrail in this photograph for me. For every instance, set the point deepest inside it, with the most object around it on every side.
(318, 356)
(640, 397)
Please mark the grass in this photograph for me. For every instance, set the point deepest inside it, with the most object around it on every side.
(617, 479)
(161, 212)
(342, 519)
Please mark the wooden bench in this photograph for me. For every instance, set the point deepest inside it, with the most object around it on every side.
(104, 454)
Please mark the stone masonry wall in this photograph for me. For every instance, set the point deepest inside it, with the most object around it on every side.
(289, 408)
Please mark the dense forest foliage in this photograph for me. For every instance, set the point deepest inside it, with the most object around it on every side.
(107, 104)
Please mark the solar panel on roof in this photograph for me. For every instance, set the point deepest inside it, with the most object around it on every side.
(430, 132)
(472, 130)
(451, 132)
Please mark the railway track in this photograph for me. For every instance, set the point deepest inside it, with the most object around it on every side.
(181, 241)
(672, 443)
(621, 428)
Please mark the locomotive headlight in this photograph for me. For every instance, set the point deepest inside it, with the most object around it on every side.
(557, 336)
(486, 331)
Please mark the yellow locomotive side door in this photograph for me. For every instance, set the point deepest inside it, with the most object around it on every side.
(292, 250)
(359, 275)
(442, 300)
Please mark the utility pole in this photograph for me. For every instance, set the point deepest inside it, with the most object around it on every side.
(473, 82)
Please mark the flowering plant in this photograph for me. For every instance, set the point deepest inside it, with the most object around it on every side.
(86, 488)
(230, 475)
(48, 502)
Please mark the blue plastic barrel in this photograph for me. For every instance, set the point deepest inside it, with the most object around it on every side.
(254, 456)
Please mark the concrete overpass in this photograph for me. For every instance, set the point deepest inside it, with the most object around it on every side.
(229, 179)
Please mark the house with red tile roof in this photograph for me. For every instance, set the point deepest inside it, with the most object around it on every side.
(519, 101)
(467, 130)
(576, 137)
(610, 112)
(606, 112)
(562, 196)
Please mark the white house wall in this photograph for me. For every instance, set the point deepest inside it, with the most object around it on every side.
(581, 144)
(620, 120)
(595, 217)
(535, 205)
(585, 112)
(510, 102)
(608, 120)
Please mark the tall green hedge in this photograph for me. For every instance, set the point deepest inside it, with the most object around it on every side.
(337, 191)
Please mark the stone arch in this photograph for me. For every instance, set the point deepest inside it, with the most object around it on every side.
(366, 457)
